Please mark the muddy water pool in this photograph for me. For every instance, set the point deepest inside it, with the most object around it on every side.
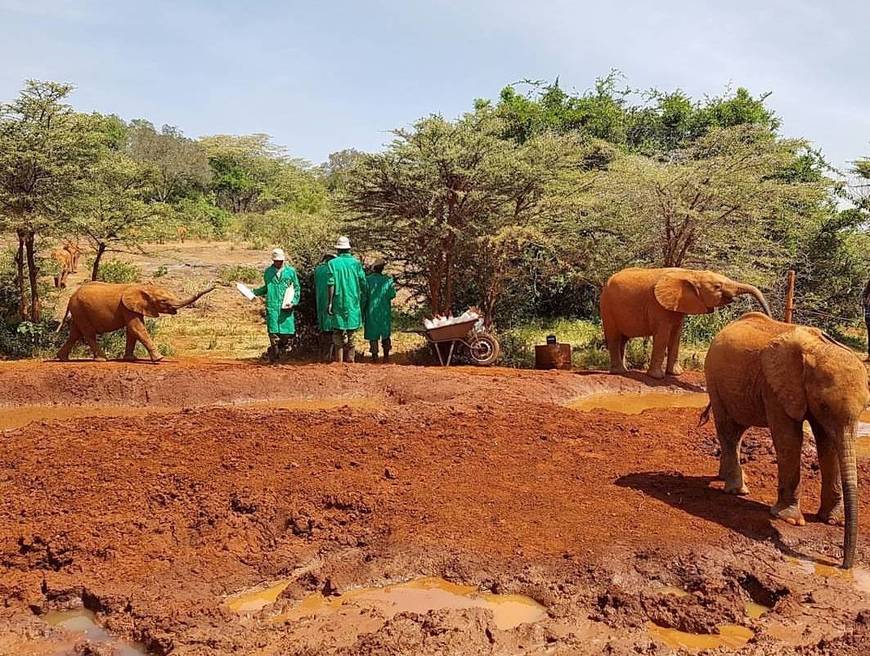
(731, 636)
(83, 623)
(635, 403)
(417, 596)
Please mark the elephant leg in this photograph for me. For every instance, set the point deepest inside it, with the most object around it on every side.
(831, 508)
(673, 366)
(616, 347)
(136, 328)
(74, 336)
(660, 346)
(91, 339)
(788, 438)
(129, 350)
(730, 435)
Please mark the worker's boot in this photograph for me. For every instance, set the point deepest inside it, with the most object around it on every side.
(349, 353)
(388, 346)
(373, 347)
(339, 354)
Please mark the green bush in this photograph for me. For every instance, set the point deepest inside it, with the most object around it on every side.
(161, 271)
(240, 272)
(118, 271)
(27, 340)
(202, 218)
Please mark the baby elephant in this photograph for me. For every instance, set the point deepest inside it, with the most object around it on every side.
(98, 307)
(761, 372)
(654, 302)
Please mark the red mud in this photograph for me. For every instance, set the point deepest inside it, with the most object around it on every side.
(482, 477)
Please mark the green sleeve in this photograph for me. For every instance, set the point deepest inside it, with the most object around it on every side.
(297, 288)
(363, 287)
(330, 275)
(391, 291)
(261, 291)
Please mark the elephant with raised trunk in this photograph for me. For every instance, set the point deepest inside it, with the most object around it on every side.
(654, 302)
(762, 372)
(98, 307)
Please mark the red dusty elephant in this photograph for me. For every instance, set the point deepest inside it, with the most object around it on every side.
(98, 307)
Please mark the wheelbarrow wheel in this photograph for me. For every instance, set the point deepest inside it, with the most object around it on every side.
(483, 349)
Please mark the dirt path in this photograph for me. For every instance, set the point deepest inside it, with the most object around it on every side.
(480, 477)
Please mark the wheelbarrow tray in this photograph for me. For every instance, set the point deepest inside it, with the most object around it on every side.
(451, 332)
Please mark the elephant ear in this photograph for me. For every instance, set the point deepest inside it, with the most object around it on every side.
(783, 363)
(137, 298)
(678, 292)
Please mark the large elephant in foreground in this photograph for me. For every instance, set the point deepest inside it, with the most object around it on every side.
(762, 372)
(99, 307)
(654, 302)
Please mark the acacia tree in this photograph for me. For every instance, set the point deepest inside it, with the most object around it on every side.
(177, 165)
(727, 199)
(45, 150)
(429, 201)
(244, 168)
(112, 208)
(861, 169)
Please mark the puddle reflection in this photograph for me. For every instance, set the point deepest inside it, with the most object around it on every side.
(634, 404)
(84, 622)
(420, 596)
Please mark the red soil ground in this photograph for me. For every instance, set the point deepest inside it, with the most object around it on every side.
(480, 476)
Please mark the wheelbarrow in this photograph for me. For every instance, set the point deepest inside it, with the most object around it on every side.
(482, 347)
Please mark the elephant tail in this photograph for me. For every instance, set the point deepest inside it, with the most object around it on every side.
(63, 321)
(705, 415)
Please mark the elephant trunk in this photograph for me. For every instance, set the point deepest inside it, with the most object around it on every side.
(849, 476)
(180, 304)
(743, 288)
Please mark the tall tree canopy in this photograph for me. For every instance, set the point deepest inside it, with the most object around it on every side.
(648, 122)
(177, 165)
(442, 189)
(46, 150)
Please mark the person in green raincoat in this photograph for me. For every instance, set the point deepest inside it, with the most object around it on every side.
(280, 321)
(378, 314)
(321, 294)
(346, 289)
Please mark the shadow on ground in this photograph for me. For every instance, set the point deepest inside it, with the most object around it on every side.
(693, 494)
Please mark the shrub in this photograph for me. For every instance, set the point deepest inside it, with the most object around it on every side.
(118, 271)
(240, 272)
(202, 218)
(27, 339)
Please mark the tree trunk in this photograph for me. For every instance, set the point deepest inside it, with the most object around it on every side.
(95, 270)
(19, 278)
(33, 274)
(448, 284)
(435, 279)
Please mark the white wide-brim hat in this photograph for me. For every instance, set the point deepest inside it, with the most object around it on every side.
(343, 244)
(278, 255)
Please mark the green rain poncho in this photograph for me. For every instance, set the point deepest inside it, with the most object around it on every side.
(381, 291)
(349, 279)
(321, 295)
(278, 321)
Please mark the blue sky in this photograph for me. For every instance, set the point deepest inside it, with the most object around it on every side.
(322, 76)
